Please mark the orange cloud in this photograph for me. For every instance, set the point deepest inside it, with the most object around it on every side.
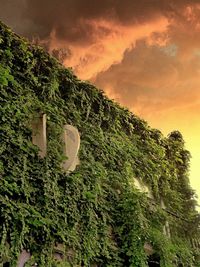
(108, 44)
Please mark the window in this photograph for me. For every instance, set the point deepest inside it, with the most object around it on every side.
(148, 249)
(143, 188)
(39, 133)
(23, 258)
(154, 260)
(166, 228)
(71, 140)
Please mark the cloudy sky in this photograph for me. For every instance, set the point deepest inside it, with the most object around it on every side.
(144, 54)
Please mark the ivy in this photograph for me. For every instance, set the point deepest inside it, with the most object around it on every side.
(95, 212)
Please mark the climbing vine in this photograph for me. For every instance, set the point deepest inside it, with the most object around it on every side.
(96, 212)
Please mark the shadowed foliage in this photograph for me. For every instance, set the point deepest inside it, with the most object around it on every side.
(94, 211)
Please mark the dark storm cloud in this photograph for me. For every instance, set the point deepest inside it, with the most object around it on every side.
(66, 15)
(39, 17)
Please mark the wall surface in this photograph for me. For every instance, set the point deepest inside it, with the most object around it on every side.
(94, 211)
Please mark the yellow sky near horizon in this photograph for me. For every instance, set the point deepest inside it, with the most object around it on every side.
(187, 123)
(184, 118)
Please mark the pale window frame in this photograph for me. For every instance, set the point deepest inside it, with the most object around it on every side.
(39, 133)
(71, 142)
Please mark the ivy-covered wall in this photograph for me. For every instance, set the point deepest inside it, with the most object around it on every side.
(96, 212)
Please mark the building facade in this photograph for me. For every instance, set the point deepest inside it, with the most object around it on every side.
(84, 182)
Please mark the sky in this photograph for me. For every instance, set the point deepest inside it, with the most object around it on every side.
(144, 54)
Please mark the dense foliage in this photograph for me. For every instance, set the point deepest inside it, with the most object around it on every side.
(95, 211)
